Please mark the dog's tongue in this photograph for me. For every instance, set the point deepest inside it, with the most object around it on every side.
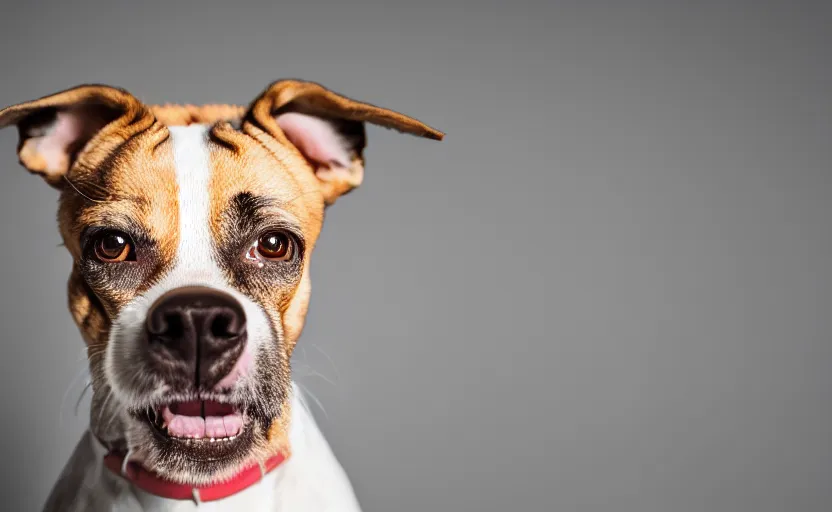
(198, 419)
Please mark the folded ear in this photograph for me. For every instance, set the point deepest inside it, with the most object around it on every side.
(54, 130)
(327, 129)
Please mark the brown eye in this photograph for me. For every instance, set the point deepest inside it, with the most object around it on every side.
(275, 246)
(113, 247)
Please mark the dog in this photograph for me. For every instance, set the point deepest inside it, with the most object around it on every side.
(191, 230)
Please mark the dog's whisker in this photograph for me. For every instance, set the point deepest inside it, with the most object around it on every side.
(86, 190)
(82, 357)
(80, 398)
(111, 420)
(80, 193)
(104, 405)
(331, 361)
(307, 391)
(302, 194)
(95, 352)
(84, 371)
(314, 373)
(302, 368)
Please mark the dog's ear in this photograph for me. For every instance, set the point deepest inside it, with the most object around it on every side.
(328, 129)
(55, 130)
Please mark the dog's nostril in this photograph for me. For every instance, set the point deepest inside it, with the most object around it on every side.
(166, 324)
(175, 326)
(224, 326)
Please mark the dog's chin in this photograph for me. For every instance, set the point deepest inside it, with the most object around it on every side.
(187, 456)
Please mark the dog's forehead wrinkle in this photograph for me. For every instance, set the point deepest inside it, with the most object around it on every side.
(250, 203)
(250, 211)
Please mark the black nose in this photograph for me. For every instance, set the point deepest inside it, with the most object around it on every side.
(195, 336)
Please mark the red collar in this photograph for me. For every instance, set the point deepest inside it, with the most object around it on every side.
(153, 484)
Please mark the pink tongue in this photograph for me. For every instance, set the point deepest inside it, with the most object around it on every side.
(181, 422)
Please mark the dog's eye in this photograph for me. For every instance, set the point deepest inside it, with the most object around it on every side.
(276, 245)
(114, 247)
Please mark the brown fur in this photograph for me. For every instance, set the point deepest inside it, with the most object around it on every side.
(251, 160)
(183, 115)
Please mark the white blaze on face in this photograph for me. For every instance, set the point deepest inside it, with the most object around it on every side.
(194, 265)
(195, 255)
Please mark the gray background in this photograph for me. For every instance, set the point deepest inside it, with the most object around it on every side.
(607, 290)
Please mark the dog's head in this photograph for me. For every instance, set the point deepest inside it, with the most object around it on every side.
(191, 230)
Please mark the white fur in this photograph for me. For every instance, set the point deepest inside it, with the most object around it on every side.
(193, 175)
(312, 479)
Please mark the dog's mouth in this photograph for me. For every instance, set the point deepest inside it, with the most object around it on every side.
(200, 429)
(202, 420)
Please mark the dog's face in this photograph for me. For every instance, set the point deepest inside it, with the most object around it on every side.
(191, 230)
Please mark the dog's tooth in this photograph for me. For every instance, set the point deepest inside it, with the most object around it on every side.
(213, 440)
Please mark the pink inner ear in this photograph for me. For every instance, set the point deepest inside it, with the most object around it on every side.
(54, 146)
(316, 139)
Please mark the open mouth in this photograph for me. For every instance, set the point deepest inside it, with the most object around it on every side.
(200, 429)
(205, 420)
